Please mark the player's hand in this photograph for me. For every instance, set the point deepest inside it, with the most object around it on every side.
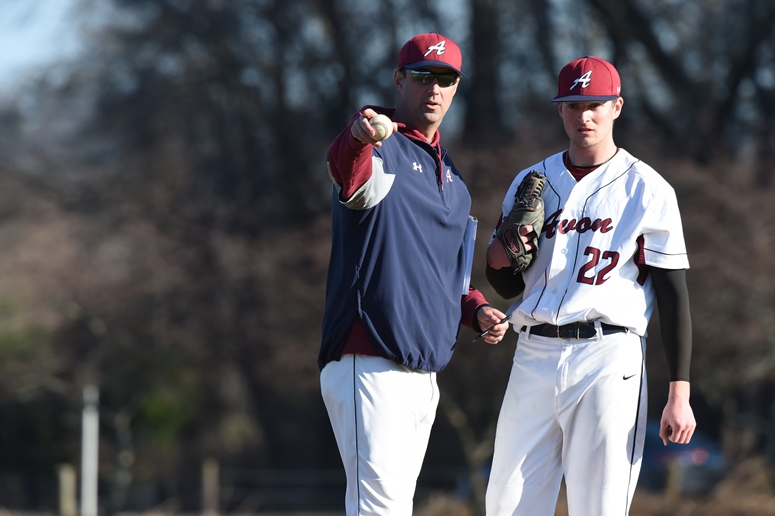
(678, 423)
(496, 255)
(488, 316)
(362, 130)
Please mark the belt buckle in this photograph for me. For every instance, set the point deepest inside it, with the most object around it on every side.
(567, 331)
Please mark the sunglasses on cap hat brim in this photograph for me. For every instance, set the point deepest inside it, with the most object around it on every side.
(426, 77)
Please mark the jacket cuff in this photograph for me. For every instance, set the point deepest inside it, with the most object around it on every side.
(471, 304)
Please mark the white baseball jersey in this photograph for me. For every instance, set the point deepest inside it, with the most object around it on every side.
(598, 235)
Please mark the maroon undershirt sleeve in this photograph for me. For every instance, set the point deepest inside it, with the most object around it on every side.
(470, 304)
(349, 161)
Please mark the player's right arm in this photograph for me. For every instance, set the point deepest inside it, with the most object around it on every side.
(357, 171)
(349, 161)
(505, 283)
(499, 272)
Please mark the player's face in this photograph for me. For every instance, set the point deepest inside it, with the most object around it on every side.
(590, 124)
(423, 99)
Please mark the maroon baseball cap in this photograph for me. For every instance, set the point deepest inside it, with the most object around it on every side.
(588, 79)
(430, 49)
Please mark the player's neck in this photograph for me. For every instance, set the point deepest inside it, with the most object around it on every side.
(579, 172)
(418, 124)
(592, 156)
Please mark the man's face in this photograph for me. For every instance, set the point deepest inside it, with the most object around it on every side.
(423, 97)
(589, 123)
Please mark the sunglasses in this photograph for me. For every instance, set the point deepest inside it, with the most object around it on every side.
(426, 77)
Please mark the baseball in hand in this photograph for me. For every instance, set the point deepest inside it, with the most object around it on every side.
(383, 125)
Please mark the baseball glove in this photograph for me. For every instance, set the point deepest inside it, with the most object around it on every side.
(528, 209)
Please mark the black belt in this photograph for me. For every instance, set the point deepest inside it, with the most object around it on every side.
(579, 330)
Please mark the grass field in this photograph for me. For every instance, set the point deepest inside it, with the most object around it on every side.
(746, 491)
(644, 504)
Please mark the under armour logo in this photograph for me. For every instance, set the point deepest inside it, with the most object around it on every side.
(417, 167)
(584, 80)
(449, 176)
(438, 47)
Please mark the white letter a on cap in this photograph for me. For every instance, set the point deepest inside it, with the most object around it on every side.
(584, 80)
(438, 47)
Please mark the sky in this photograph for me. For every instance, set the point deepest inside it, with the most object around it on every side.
(34, 34)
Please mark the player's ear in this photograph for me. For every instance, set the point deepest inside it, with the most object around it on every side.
(618, 103)
(398, 79)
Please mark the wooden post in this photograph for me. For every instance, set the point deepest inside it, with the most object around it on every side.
(210, 487)
(90, 436)
(674, 485)
(67, 488)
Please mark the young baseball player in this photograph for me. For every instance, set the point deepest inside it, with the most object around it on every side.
(611, 243)
(394, 296)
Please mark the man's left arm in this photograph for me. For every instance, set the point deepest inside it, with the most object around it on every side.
(478, 315)
(678, 423)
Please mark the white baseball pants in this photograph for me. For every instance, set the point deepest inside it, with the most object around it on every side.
(577, 408)
(381, 413)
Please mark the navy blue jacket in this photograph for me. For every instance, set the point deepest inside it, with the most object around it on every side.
(397, 257)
